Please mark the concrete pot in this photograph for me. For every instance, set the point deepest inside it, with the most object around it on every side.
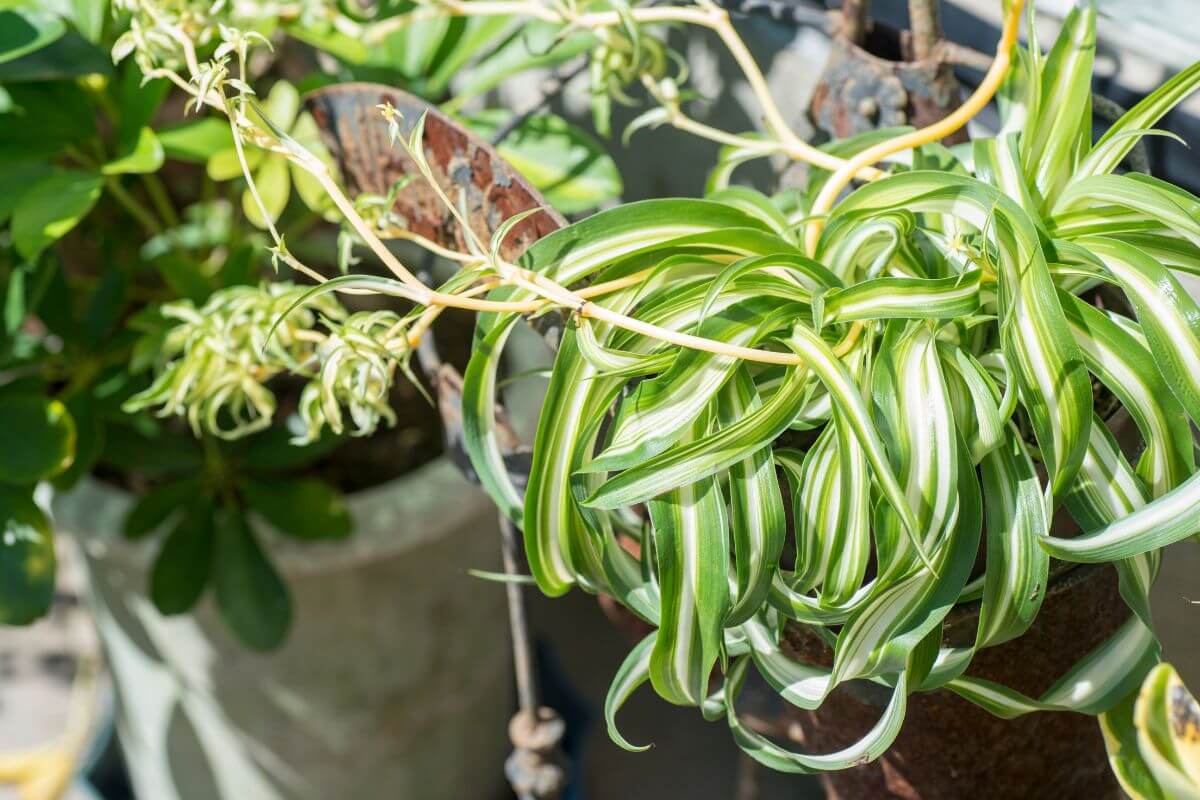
(394, 682)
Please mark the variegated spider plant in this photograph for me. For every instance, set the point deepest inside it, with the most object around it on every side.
(935, 343)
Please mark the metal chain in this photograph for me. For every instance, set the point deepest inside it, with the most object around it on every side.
(536, 770)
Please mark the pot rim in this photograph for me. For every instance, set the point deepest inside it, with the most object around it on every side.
(435, 496)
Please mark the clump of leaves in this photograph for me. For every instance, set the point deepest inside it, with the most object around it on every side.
(208, 502)
(923, 385)
(215, 362)
(84, 130)
(358, 361)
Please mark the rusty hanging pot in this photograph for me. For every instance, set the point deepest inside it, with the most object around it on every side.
(878, 85)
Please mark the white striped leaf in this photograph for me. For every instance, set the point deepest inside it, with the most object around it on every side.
(1054, 138)
(1116, 142)
(1125, 366)
(1053, 383)
(1137, 202)
(756, 516)
(691, 545)
(880, 637)
(657, 412)
(713, 453)
(1095, 684)
(634, 671)
(1016, 520)
(867, 749)
(1164, 520)
(917, 420)
(1167, 719)
(903, 298)
(1169, 317)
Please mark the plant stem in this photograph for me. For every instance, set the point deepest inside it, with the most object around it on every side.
(161, 199)
(136, 210)
(522, 647)
(215, 466)
(124, 199)
(711, 17)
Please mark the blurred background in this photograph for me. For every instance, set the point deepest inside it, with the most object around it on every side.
(436, 645)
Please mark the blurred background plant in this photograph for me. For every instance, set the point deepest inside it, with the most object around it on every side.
(134, 279)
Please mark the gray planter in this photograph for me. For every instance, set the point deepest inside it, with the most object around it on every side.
(395, 681)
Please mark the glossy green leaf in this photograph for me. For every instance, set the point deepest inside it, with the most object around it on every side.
(15, 180)
(24, 29)
(37, 438)
(184, 562)
(27, 559)
(51, 208)
(146, 155)
(305, 508)
(156, 506)
(274, 182)
(253, 599)
(196, 141)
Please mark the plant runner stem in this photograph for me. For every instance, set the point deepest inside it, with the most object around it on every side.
(548, 291)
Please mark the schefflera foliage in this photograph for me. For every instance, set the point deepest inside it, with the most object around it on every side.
(945, 347)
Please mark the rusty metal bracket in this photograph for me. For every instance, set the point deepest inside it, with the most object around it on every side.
(466, 167)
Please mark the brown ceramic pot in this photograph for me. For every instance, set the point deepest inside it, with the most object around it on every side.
(950, 748)
(880, 85)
